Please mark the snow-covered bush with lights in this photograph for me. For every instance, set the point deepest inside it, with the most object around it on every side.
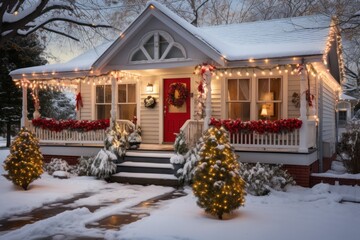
(84, 166)
(57, 164)
(349, 148)
(103, 166)
(180, 153)
(116, 140)
(261, 178)
(217, 183)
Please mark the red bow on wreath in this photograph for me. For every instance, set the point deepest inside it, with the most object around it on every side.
(79, 103)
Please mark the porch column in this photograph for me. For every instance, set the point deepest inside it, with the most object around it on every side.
(304, 127)
(24, 119)
(207, 79)
(113, 104)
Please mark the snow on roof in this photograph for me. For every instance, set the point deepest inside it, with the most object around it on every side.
(299, 36)
(346, 97)
(273, 38)
(83, 62)
(286, 37)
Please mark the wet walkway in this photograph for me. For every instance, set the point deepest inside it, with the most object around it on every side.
(114, 222)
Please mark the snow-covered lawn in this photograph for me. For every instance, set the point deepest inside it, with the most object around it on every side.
(299, 213)
(2, 142)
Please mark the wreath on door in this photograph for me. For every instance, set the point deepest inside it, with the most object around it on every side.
(178, 100)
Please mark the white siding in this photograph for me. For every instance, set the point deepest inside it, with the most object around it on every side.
(328, 116)
(86, 110)
(150, 117)
(293, 87)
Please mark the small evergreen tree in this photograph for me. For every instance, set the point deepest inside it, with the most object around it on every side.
(217, 182)
(25, 162)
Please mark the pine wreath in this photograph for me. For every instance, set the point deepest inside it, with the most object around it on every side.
(150, 102)
(183, 93)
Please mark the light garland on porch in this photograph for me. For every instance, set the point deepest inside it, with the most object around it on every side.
(267, 71)
(71, 84)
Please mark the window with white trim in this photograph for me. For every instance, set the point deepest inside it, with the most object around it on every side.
(158, 46)
(269, 98)
(126, 101)
(238, 99)
(103, 101)
(126, 107)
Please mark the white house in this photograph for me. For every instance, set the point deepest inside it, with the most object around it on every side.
(270, 70)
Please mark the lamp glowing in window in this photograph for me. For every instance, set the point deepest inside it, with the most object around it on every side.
(149, 87)
(264, 112)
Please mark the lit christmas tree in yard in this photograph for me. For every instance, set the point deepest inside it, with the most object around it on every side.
(25, 162)
(217, 182)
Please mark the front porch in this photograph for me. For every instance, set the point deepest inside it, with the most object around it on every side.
(241, 141)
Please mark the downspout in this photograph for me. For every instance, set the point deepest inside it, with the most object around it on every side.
(320, 128)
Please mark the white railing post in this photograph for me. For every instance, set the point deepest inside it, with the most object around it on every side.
(207, 78)
(24, 119)
(113, 104)
(304, 127)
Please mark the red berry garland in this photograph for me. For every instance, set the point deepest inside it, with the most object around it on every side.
(183, 93)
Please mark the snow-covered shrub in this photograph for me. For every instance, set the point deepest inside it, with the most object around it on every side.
(103, 165)
(57, 164)
(260, 178)
(180, 145)
(134, 138)
(349, 148)
(181, 152)
(116, 140)
(177, 159)
(84, 166)
(186, 174)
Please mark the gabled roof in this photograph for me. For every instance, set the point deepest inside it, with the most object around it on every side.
(288, 37)
(300, 36)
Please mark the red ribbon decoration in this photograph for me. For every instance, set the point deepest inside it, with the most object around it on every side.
(79, 102)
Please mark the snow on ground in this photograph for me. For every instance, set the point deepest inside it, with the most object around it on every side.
(300, 213)
(2, 142)
(297, 214)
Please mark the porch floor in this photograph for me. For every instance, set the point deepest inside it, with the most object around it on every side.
(143, 146)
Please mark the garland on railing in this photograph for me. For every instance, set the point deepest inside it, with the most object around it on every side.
(260, 126)
(72, 125)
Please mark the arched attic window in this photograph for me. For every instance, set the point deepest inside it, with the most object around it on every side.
(157, 46)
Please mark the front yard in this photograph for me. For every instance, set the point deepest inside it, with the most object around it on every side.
(299, 213)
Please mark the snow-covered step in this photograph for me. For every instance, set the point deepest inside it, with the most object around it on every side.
(146, 164)
(145, 167)
(148, 156)
(145, 178)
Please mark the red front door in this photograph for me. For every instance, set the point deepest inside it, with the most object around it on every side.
(175, 117)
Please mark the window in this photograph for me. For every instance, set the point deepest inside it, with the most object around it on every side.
(126, 101)
(238, 99)
(103, 101)
(158, 46)
(269, 98)
(342, 118)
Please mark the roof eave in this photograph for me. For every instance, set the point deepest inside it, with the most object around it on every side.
(275, 61)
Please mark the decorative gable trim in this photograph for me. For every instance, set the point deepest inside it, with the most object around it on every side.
(142, 19)
(157, 46)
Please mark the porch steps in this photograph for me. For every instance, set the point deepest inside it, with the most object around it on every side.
(146, 168)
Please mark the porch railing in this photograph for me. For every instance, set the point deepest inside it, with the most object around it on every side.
(254, 141)
(193, 130)
(75, 137)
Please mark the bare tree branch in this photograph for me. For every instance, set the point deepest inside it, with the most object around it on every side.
(23, 17)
